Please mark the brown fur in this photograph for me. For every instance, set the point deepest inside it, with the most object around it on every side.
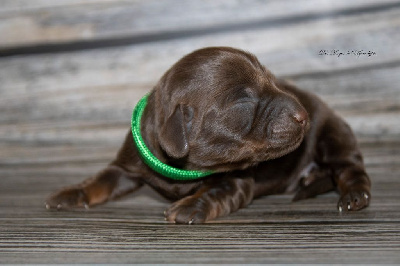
(219, 109)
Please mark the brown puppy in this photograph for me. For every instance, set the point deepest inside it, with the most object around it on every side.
(219, 109)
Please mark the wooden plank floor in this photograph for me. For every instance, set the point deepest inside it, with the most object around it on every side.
(71, 72)
(271, 230)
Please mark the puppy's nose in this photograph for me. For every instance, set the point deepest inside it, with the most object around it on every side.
(301, 117)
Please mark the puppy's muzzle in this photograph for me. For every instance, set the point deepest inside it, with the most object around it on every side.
(290, 123)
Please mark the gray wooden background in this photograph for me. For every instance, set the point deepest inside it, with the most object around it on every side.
(72, 70)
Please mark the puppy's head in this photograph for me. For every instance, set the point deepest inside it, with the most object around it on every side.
(220, 109)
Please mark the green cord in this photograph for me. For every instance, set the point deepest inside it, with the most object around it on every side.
(149, 158)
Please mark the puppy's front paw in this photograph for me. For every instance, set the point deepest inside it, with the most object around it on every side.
(67, 198)
(354, 201)
(189, 210)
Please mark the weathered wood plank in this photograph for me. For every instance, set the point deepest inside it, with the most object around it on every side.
(44, 97)
(151, 243)
(353, 95)
(81, 160)
(269, 225)
(286, 51)
(143, 65)
(272, 229)
(106, 19)
(369, 101)
(20, 6)
(19, 160)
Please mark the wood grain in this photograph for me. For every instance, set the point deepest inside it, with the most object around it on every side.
(99, 88)
(44, 21)
(132, 230)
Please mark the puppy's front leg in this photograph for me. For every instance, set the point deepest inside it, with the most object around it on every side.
(339, 152)
(110, 183)
(215, 198)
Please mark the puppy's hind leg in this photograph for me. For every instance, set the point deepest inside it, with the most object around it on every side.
(317, 181)
(108, 184)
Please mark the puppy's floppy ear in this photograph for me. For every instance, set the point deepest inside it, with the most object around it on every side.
(173, 136)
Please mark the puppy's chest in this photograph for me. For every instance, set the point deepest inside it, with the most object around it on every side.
(285, 172)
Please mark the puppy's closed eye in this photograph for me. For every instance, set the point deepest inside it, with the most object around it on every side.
(241, 95)
(240, 115)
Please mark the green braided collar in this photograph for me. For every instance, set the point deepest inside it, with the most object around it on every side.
(149, 158)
